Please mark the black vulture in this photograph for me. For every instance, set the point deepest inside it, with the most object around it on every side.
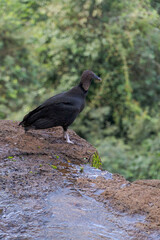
(61, 109)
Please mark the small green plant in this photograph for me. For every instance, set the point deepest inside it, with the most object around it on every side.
(81, 169)
(54, 167)
(96, 161)
(11, 158)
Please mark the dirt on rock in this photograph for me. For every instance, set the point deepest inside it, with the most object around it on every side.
(29, 164)
(31, 159)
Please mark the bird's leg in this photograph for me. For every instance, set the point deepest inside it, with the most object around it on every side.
(66, 137)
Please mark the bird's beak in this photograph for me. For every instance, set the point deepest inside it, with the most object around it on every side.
(98, 78)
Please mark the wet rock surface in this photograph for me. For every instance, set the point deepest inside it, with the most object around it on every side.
(45, 194)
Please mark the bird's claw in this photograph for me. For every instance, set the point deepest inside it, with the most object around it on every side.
(69, 141)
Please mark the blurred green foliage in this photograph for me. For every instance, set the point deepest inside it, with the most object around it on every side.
(44, 48)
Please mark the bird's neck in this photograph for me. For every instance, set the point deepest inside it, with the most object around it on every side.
(82, 88)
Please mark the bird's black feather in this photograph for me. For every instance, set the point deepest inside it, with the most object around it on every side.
(61, 109)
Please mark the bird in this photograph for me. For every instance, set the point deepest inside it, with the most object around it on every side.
(61, 109)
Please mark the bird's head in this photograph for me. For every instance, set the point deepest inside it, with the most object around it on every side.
(87, 77)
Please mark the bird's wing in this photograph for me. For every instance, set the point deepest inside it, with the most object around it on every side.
(51, 108)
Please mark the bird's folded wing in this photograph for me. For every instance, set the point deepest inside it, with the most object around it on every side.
(48, 110)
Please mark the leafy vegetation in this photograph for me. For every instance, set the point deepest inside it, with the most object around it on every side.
(45, 46)
(96, 161)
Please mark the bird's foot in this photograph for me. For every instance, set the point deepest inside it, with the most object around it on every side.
(66, 137)
(69, 141)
